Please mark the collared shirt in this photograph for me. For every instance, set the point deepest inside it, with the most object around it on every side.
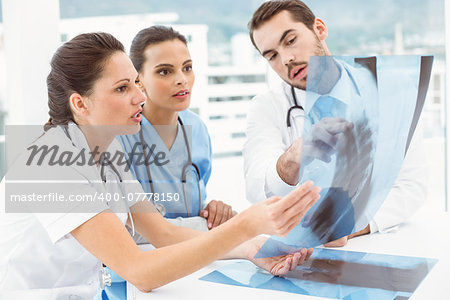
(268, 138)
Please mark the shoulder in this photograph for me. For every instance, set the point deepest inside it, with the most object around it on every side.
(273, 98)
(129, 141)
(274, 102)
(364, 66)
(190, 118)
(53, 157)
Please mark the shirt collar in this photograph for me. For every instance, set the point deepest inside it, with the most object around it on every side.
(79, 140)
(77, 136)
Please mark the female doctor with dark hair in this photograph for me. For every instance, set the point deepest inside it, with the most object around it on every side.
(93, 83)
(166, 75)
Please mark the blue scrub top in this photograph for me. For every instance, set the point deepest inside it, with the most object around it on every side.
(167, 178)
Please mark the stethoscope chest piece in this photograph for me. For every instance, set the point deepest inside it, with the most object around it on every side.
(161, 208)
(104, 278)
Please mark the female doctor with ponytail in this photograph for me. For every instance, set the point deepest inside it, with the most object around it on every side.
(93, 91)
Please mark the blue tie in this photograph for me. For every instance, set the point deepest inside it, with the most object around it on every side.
(327, 107)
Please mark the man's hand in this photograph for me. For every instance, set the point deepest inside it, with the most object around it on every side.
(321, 141)
(288, 164)
(343, 241)
(216, 213)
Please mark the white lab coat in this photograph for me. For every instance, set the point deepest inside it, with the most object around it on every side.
(268, 137)
(39, 257)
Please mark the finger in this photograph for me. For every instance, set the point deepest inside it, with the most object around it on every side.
(320, 146)
(212, 213)
(293, 197)
(309, 253)
(219, 214)
(314, 151)
(332, 120)
(285, 266)
(336, 126)
(321, 134)
(233, 213)
(337, 243)
(296, 259)
(229, 213)
(296, 219)
(204, 213)
(226, 213)
(295, 214)
(302, 258)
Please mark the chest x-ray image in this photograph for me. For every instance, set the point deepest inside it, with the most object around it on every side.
(360, 115)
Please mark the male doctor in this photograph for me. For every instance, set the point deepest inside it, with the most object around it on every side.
(287, 34)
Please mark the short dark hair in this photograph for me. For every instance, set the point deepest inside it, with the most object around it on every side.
(75, 67)
(299, 12)
(151, 36)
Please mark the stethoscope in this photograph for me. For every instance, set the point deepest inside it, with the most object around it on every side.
(189, 163)
(104, 277)
(295, 106)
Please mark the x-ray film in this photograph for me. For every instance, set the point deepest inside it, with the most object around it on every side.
(360, 116)
(336, 274)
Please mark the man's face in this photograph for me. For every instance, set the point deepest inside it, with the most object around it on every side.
(287, 45)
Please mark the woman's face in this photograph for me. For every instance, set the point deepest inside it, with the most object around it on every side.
(116, 96)
(167, 76)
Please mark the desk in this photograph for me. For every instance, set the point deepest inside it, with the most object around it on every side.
(427, 234)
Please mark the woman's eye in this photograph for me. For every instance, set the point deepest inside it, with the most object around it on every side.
(121, 89)
(188, 68)
(291, 41)
(163, 72)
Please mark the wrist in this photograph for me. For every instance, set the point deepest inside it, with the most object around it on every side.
(288, 170)
(247, 224)
(253, 246)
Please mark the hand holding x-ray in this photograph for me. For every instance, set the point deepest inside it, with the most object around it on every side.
(355, 158)
(324, 137)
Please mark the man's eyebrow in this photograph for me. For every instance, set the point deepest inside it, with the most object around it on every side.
(280, 41)
(285, 34)
(266, 52)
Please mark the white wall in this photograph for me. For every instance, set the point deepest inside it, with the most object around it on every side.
(31, 36)
(447, 55)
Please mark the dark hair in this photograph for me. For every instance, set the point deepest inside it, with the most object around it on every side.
(75, 67)
(299, 11)
(150, 36)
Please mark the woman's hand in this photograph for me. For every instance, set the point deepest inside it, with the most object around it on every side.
(278, 265)
(216, 213)
(278, 216)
